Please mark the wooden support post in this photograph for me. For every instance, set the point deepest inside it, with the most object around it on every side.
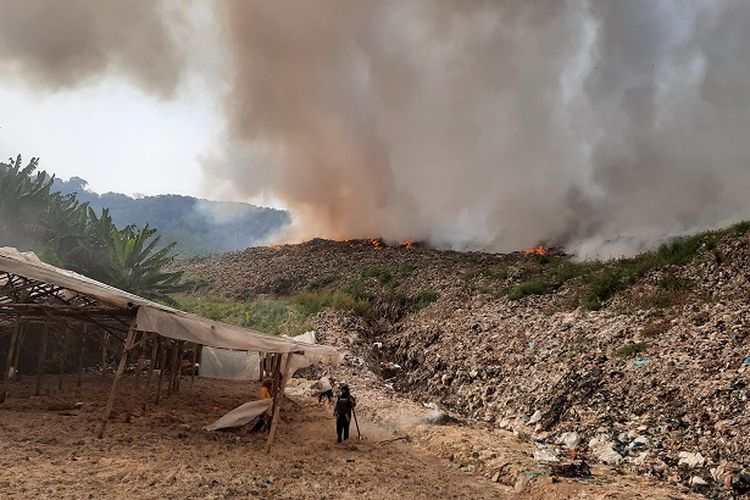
(120, 368)
(9, 359)
(81, 352)
(162, 365)
(137, 385)
(151, 368)
(63, 353)
(42, 358)
(195, 361)
(17, 354)
(172, 370)
(104, 353)
(279, 389)
(152, 361)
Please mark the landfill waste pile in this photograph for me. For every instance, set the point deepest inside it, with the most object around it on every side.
(640, 363)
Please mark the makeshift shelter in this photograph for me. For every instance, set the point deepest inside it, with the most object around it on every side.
(34, 292)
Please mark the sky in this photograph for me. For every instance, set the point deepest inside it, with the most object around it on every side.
(112, 134)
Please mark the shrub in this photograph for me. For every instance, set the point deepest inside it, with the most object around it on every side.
(425, 298)
(526, 288)
(281, 286)
(631, 349)
(383, 276)
(655, 329)
(322, 281)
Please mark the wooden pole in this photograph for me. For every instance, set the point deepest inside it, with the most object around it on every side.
(81, 352)
(42, 358)
(162, 365)
(152, 360)
(276, 399)
(104, 353)
(137, 385)
(195, 360)
(172, 370)
(9, 359)
(17, 354)
(63, 352)
(120, 368)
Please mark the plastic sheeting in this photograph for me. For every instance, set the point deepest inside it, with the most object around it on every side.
(241, 415)
(157, 318)
(229, 365)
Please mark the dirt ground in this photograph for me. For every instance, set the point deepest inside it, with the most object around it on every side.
(50, 450)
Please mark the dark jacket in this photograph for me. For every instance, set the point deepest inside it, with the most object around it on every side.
(344, 405)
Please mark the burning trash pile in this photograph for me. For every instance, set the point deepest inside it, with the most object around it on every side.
(658, 387)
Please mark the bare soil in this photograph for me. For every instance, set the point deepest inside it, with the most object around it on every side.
(50, 450)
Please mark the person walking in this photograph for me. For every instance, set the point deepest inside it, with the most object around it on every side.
(325, 388)
(345, 404)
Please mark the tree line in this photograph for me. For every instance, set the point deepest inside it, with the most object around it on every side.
(64, 232)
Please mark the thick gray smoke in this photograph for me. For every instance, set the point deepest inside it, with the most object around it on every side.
(60, 44)
(601, 125)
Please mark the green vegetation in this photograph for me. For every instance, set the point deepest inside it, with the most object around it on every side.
(199, 226)
(652, 330)
(600, 281)
(379, 274)
(286, 315)
(67, 233)
(426, 297)
(631, 349)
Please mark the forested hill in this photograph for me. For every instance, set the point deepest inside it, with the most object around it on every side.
(198, 226)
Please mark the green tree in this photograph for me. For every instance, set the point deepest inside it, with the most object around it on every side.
(69, 234)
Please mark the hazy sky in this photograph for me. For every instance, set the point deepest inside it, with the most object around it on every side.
(110, 130)
(111, 134)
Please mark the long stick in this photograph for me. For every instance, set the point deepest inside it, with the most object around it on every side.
(9, 359)
(63, 352)
(118, 374)
(42, 358)
(278, 385)
(195, 361)
(104, 353)
(136, 386)
(359, 434)
(80, 359)
(162, 364)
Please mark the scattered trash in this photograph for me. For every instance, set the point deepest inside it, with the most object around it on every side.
(545, 455)
(578, 468)
(691, 459)
(642, 362)
(535, 418)
(697, 481)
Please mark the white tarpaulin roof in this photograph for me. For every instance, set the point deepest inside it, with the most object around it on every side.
(157, 318)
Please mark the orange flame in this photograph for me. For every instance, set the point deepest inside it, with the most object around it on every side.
(377, 244)
(407, 244)
(540, 250)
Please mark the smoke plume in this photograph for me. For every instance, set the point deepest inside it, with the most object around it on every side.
(604, 126)
(493, 123)
(61, 44)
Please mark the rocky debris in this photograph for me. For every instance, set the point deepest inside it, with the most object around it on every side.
(604, 450)
(691, 460)
(637, 382)
(577, 468)
(545, 455)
